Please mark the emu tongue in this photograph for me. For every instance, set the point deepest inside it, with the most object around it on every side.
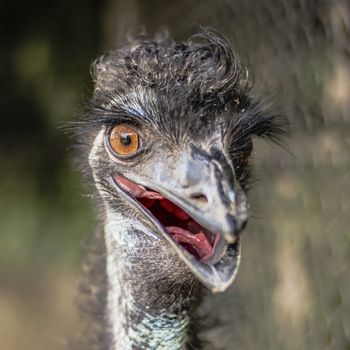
(198, 241)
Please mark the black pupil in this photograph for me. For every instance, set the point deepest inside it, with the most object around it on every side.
(125, 139)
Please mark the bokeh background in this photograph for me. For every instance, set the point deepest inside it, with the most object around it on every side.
(293, 288)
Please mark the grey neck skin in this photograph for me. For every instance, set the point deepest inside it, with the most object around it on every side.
(151, 294)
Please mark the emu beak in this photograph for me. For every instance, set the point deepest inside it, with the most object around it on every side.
(203, 211)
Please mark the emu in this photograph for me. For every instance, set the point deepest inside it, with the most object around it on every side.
(167, 136)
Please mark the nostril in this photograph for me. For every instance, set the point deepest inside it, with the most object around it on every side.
(199, 197)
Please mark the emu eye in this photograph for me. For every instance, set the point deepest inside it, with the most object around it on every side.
(124, 141)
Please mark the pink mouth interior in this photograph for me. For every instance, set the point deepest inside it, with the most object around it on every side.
(181, 227)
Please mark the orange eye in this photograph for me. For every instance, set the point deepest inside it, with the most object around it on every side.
(124, 141)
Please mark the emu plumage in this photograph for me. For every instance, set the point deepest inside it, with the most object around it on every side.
(189, 104)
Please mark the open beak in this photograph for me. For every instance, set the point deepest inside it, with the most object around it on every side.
(194, 201)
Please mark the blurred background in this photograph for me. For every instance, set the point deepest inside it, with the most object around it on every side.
(293, 288)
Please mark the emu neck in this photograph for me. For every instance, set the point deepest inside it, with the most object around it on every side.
(151, 294)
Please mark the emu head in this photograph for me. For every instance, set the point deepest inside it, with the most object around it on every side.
(172, 128)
